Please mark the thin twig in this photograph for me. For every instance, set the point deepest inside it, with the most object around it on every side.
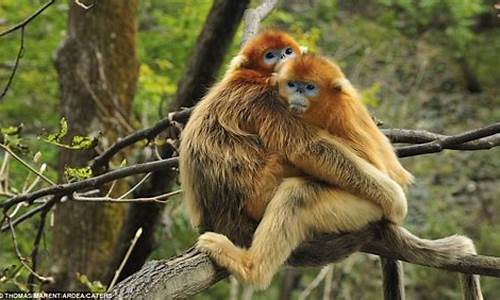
(316, 281)
(156, 199)
(22, 259)
(29, 214)
(327, 290)
(36, 245)
(135, 187)
(94, 182)
(86, 7)
(46, 179)
(28, 19)
(16, 65)
(124, 261)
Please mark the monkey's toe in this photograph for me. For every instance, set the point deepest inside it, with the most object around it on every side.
(213, 243)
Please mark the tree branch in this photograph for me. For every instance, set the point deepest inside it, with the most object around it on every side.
(150, 133)
(253, 17)
(192, 272)
(94, 182)
(448, 142)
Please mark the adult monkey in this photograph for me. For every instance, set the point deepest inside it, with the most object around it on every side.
(240, 141)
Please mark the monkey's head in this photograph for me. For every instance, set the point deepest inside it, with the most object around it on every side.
(312, 85)
(265, 51)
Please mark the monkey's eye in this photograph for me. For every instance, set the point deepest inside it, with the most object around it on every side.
(288, 51)
(290, 84)
(310, 87)
(269, 55)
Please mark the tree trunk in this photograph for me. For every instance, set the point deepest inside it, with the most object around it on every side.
(206, 58)
(98, 70)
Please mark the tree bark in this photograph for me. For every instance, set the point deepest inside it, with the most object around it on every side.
(206, 59)
(98, 69)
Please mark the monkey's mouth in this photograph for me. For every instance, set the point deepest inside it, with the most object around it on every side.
(298, 109)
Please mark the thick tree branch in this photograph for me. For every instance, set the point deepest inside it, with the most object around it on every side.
(191, 272)
(254, 16)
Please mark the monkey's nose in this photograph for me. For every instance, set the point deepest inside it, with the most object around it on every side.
(283, 56)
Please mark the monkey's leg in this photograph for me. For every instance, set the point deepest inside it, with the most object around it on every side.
(299, 207)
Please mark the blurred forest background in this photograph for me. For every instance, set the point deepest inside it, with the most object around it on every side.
(429, 64)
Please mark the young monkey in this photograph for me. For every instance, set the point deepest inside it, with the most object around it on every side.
(317, 90)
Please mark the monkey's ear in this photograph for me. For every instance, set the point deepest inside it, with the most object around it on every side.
(344, 86)
(303, 49)
(237, 62)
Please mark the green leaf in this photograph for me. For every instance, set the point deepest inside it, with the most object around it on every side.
(78, 142)
(77, 173)
(63, 130)
(83, 142)
(12, 130)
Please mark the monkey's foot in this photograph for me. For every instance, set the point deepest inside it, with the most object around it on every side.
(224, 253)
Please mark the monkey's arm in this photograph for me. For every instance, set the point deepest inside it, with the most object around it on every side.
(328, 159)
(322, 156)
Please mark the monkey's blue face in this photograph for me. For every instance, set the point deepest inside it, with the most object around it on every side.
(299, 95)
(276, 56)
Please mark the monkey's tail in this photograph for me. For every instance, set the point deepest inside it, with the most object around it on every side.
(437, 253)
(392, 241)
(433, 252)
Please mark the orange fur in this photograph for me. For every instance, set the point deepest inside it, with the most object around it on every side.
(227, 176)
(337, 109)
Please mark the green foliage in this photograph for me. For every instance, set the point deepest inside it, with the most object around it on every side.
(11, 138)
(32, 97)
(77, 142)
(93, 286)
(370, 96)
(448, 21)
(168, 29)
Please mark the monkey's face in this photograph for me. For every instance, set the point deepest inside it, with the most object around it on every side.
(268, 50)
(299, 94)
(307, 83)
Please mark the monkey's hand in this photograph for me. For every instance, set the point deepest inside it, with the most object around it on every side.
(273, 80)
(395, 210)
